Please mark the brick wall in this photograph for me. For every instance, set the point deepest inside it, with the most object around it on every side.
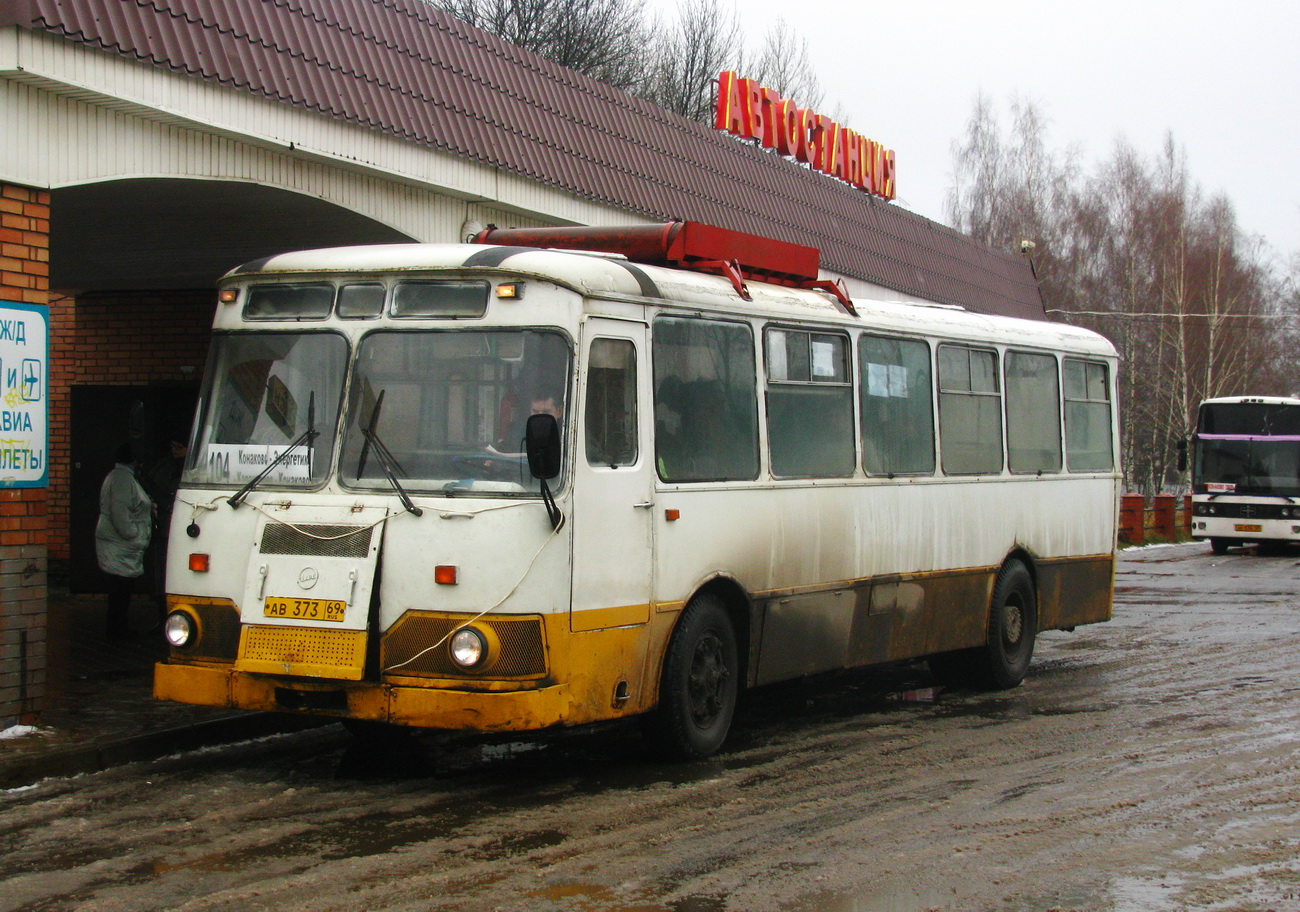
(116, 339)
(24, 524)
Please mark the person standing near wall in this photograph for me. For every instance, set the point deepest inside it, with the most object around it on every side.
(121, 537)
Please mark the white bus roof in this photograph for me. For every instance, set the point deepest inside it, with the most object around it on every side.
(608, 276)
(1252, 400)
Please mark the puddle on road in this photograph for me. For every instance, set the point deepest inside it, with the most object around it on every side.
(575, 897)
(1124, 895)
(1146, 893)
(872, 899)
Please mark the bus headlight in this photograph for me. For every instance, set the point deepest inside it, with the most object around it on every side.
(181, 629)
(474, 648)
(468, 647)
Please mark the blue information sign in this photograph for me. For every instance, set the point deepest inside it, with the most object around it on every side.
(24, 395)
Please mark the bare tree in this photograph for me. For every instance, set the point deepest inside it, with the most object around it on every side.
(1014, 188)
(687, 55)
(604, 39)
(784, 63)
(1135, 252)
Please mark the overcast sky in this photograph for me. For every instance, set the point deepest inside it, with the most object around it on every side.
(1224, 78)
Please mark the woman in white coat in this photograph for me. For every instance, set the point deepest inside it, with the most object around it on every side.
(122, 536)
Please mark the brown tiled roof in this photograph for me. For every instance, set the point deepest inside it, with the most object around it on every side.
(409, 70)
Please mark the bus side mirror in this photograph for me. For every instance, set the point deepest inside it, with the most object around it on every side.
(1182, 454)
(542, 444)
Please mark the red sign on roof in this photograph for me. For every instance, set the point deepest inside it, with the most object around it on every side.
(747, 109)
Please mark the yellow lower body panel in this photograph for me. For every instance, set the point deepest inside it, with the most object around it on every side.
(526, 710)
(202, 685)
(586, 677)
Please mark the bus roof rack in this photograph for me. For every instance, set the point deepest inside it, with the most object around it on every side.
(687, 245)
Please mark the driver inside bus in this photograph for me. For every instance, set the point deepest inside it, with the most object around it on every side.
(543, 403)
(548, 405)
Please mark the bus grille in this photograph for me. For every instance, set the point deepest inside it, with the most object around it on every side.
(218, 632)
(523, 653)
(308, 651)
(1245, 510)
(316, 540)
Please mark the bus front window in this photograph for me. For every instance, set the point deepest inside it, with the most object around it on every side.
(445, 410)
(263, 392)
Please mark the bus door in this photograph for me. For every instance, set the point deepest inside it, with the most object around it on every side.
(614, 480)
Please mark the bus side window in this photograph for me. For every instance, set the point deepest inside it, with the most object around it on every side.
(896, 398)
(809, 404)
(1087, 416)
(706, 400)
(1033, 413)
(970, 411)
(611, 403)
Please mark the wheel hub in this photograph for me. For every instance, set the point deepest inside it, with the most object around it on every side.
(708, 680)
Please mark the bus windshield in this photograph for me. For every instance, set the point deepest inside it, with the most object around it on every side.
(444, 411)
(1248, 448)
(265, 393)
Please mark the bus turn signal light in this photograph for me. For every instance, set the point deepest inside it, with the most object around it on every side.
(199, 563)
(444, 575)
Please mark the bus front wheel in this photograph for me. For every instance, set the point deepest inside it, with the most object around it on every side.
(697, 694)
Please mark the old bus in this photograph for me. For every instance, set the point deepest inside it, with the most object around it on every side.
(496, 487)
(1246, 472)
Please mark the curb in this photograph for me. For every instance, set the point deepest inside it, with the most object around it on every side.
(94, 758)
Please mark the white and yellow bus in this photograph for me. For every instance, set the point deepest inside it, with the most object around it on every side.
(494, 487)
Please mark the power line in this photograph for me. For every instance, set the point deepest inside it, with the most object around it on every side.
(1166, 316)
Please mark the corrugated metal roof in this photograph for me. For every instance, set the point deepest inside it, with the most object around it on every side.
(407, 69)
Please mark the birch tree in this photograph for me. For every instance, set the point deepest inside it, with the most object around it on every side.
(1134, 251)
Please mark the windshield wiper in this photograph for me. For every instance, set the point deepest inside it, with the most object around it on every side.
(308, 437)
(387, 461)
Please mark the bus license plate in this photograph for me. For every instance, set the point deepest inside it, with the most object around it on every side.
(1247, 528)
(305, 609)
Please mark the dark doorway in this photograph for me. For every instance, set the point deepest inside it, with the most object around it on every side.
(104, 417)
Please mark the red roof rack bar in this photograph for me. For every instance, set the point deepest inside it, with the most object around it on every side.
(685, 245)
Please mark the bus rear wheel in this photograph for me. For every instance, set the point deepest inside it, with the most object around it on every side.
(1013, 625)
(1220, 545)
(1003, 661)
(700, 683)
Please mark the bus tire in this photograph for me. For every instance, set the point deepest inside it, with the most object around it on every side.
(1013, 625)
(700, 683)
(1220, 545)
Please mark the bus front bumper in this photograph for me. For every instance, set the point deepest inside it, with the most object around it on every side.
(1245, 529)
(428, 707)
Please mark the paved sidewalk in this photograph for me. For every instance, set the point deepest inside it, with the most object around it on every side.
(100, 710)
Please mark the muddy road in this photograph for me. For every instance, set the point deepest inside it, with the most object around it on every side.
(1152, 763)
